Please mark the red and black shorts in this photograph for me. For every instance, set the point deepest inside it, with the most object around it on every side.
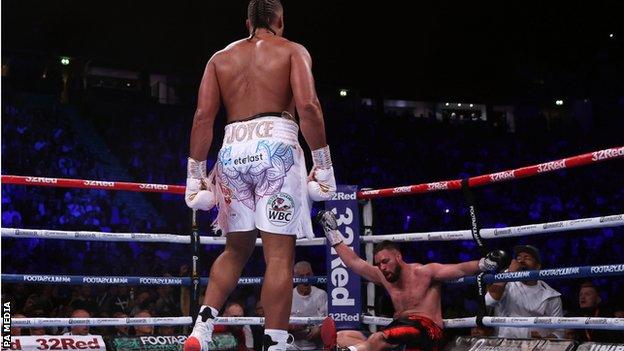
(415, 333)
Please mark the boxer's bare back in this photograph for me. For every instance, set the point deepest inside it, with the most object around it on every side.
(263, 73)
(254, 75)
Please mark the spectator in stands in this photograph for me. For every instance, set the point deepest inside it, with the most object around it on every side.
(142, 330)
(17, 331)
(84, 300)
(121, 330)
(166, 330)
(79, 329)
(37, 331)
(121, 299)
(142, 302)
(528, 298)
(482, 332)
(590, 305)
(35, 313)
(242, 333)
(33, 306)
(308, 301)
(11, 218)
(166, 304)
(104, 300)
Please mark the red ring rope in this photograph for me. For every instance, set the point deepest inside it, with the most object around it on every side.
(570, 162)
(93, 184)
(564, 163)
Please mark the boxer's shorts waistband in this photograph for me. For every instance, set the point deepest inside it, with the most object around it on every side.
(265, 127)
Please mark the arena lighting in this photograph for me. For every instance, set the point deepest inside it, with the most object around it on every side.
(447, 104)
(559, 102)
(458, 105)
(611, 35)
(64, 60)
(343, 92)
(471, 105)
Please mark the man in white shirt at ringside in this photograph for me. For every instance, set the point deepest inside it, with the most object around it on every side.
(532, 298)
(308, 301)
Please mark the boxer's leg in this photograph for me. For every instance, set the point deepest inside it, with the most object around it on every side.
(228, 267)
(276, 295)
(224, 275)
(277, 288)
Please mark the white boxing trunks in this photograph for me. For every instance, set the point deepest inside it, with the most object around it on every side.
(260, 178)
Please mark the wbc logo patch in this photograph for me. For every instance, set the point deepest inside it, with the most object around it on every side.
(280, 209)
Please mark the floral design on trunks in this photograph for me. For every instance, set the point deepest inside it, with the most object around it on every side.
(260, 173)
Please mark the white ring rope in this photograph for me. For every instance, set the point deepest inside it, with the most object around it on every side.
(520, 322)
(507, 232)
(540, 322)
(486, 233)
(61, 322)
(128, 237)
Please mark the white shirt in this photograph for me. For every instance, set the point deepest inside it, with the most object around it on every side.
(312, 305)
(521, 300)
(249, 341)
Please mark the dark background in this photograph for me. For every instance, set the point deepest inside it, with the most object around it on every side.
(484, 51)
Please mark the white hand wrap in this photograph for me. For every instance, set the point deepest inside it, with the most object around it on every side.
(196, 194)
(330, 227)
(323, 185)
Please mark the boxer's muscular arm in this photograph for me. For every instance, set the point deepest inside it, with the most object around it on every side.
(306, 100)
(208, 103)
(443, 272)
(358, 265)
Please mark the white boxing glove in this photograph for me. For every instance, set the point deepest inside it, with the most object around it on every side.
(196, 194)
(322, 186)
(327, 220)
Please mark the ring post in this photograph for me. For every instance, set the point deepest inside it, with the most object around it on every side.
(367, 220)
(475, 229)
(194, 272)
(343, 285)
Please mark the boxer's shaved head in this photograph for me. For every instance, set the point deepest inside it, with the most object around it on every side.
(261, 13)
